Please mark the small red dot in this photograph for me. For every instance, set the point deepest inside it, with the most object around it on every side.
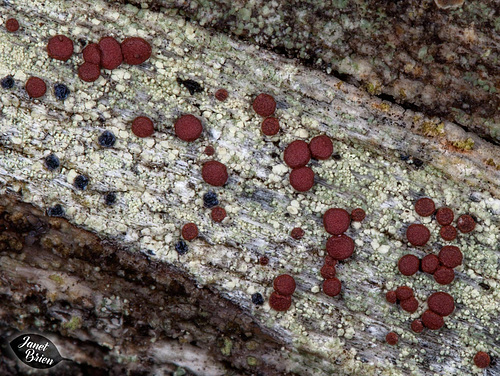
(444, 275)
(302, 179)
(264, 105)
(214, 173)
(209, 150)
(263, 260)
(89, 72)
(270, 126)
(280, 302)
(284, 284)
(432, 320)
(466, 223)
(408, 264)
(188, 128)
(297, 154)
(441, 303)
(409, 305)
(218, 214)
(328, 272)
(336, 221)
(135, 50)
(340, 247)
(12, 25)
(429, 264)
(358, 215)
(448, 233)
(221, 95)
(390, 296)
(425, 207)
(60, 47)
(297, 233)
(417, 326)
(92, 54)
(444, 216)
(482, 359)
(450, 256)
(189, 231)
(321, 147)
(391, 338)
(111, 53)
(418, 234)
(332, 286)
(330, 261)
(142, 126)
(35, 87)
(404, 292)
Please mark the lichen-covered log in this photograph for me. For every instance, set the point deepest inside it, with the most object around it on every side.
(385, 158)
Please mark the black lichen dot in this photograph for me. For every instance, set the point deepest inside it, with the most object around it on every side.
(8, 82)
(210, 199)
(52, 162)
(61, 91)
(418, 162)
(110, 198)
(81, 182)
(191, 85)
(107, 139)
(257, 298)
(181, 247)
(55, 211)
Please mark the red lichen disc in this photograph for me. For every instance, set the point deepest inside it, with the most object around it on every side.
(417, 326)
(302, 179)
(321, 147)
(340, 247)
(35, 87)
(297, 233)
(111, 53)
(448, 233)
(429, 264)
(221, 95)
(332, 286)
(482, 359)
(336, 221)
(408, 264)
(297, 154)
(432, 320)
(218, 214)
(404, 293)
(270, 126)
(209, 150)
(12, 25)
(189, 231)
(418, 234)
(409, 305)
(188, 128)
(60, 47)
(425, 207)
(391, 338)
(280, 302)
(441, 303)
(89, 72)
(328, 272)
(284, 284)
(92, 53)
(135, 50)
(263, 260)
(444, 275)
(466, 223)
(444, 216)
(330, 261)
(450, 256)
(358, 214)
(214, 173)
(264, 105)
(142, 126)
(390, 296)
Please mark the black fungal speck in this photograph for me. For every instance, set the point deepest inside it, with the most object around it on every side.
(191, 85)
(52, 162)
(8, 82)
(81, 182)
(210, 199)
(107, 139)
(418, 162)
(337, 157)
(61, 91)
(181, 247)
(257, 298)
(484, 285)
(404, 157)
(110, 198)
(55, 211)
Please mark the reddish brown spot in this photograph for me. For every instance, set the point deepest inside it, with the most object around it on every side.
(418, 234)
(135, 50)
(270, 126)
(60, 47)
(297, 233)
(336, 221)
(358, 215)
(142, 126)
(330, 261)
(408, 264)
(12, 25)
(444, 275)
(188, 128)
(429, 264)
(444, 216)
(340, 247)
(89, 72)
(409, 305)
(302, 179)
(328, 272)
(209, 150)
(441, 303)
(432, 320)
(466, 223)
(263, 260)
(321, 147)
(264, 105)
(391, 297)
(391, 338)
(284, 284)
(417, 326)
(111, 53)
(297, 154)
(92, 54)
(280, 302)
(189, 231)
(221, 95)
(214, 173)
(404, 292)
(448, 233)
(332, 286)
(218, 214)
(35, 87)
(450, 256)
(482, 359)
(425, 207)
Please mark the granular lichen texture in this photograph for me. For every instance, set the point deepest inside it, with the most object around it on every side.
(110, 271)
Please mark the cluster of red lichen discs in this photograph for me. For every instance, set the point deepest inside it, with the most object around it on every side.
(281, 298)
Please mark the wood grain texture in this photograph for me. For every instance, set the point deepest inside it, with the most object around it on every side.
(379, 147)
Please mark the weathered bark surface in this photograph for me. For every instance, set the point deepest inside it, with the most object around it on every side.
(385, 158)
